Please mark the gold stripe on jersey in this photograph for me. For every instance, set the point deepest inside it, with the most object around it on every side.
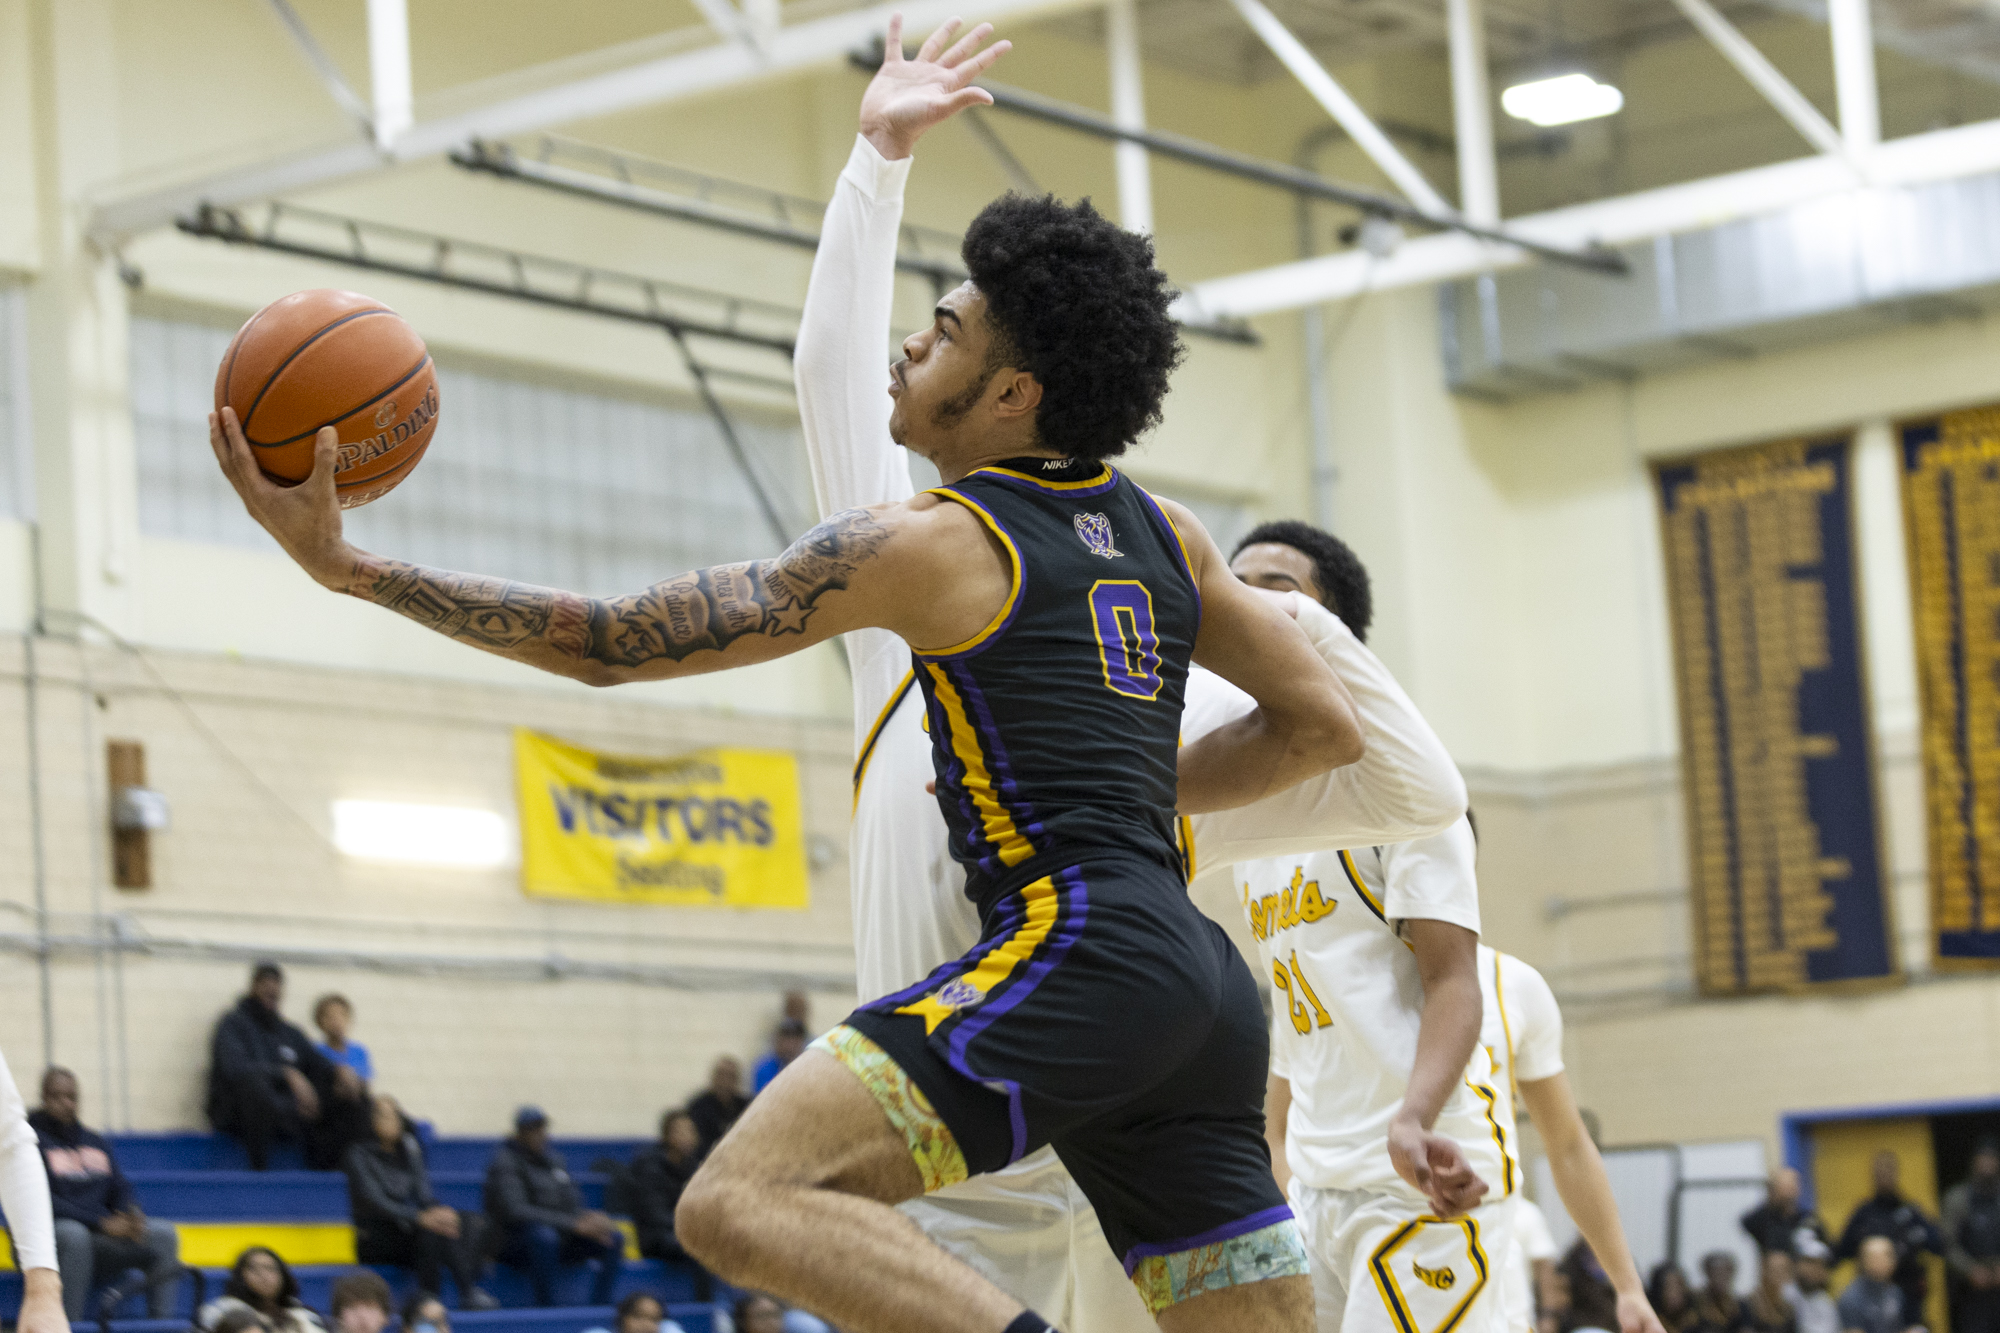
(1187, 561)
(996, 824)
(1040, 903)
(1391, 1291)
(1186, 829)
(1098, 480)
(1492, 1099)
(1354, 878)
(1506, 1029)
(875, 732)
(1006, 611)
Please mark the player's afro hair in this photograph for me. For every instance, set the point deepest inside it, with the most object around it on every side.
(1074, 300)
(1342, 578)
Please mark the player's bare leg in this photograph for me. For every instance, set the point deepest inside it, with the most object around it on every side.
(799, 1200)
(1275, 1305)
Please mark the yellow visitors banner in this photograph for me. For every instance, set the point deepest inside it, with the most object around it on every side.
(715, 828)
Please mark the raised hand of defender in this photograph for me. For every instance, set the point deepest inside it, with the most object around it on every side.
(304, 518)
(907, 97)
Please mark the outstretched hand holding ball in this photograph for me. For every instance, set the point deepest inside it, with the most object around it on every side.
(325, 400)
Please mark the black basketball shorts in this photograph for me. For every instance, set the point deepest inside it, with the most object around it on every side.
(1102, 1013)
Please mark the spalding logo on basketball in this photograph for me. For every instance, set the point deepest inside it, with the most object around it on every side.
(332, 358)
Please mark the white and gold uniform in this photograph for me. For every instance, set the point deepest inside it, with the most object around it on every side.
(1347, 1006)
(1523, 1036)
(1028, 1228)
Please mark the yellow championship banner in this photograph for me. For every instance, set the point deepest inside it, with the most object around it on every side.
(715, 828)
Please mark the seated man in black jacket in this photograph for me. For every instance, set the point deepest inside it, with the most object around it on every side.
(538, 1213)
(100, 1230)
(267, 1082)
(398, 1218)
(658, 1174)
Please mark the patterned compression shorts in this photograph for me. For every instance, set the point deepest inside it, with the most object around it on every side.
(1102, 1013)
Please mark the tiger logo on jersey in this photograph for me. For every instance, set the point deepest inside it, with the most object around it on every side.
(956, 994)
(1095, 529)
(1438, 1279)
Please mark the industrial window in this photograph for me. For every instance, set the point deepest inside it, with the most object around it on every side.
(585, 490)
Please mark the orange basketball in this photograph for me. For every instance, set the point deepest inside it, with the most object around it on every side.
(340, 359)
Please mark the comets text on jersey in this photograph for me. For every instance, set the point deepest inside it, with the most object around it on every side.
(1300, 903)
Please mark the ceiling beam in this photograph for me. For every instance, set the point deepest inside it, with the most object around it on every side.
(1966, 150)
(671, 78)
(1764, 76)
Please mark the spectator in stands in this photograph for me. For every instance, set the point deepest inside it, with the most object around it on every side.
(787, 1046)
(537, 1211)
(1873, 1301)
(1593, 1301)
(1769, 1309)
(640, 1312)
(1971, 1226)
(243, 1319)
(657, 1176)
(261, 1283)
(425, 1313)
(267, 1083)
(398, 1218)
(1668, 1293)
(1811, 1302)
(717, 1109)
(333, 1015)
(1776, 1223)
(757, 1313)
(101, 1232)
(1717, 1309)
(361, 1303)
(1888, 1214)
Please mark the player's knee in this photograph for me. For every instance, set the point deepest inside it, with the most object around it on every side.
(709, 1221)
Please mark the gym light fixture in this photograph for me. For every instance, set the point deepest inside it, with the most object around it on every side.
(1562, 100)
(438, 835)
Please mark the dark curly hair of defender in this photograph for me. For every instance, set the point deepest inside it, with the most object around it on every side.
(1341, 576)
(1074, 300)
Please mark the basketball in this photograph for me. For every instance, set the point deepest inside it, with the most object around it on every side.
(332, 358)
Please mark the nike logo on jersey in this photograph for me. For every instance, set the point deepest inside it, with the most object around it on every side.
(1299, 904)
(1439, 1279)
(1095, 529)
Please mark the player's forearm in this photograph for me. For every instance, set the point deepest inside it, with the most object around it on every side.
(1263, 753)
(710, 620)
(841, 362)
(1446, 1034)
(1586, 1194)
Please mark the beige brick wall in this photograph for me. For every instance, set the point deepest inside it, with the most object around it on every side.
(251, 757)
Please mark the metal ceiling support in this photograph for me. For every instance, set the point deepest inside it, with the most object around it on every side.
(1472, 113)
(1752, 64)
(1854, 76)
(1017, 170)
(726, 19)
(691, 197)
(324, 66)
(1964, 150)
(389, 70)
(1585, 254)
(1326, 90)
(669, 191)
(699, 373)
(1933, 46)
(644, 83)
(1128, 111)
(475, 267)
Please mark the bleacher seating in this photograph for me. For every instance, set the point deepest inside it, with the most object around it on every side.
(201, 1182)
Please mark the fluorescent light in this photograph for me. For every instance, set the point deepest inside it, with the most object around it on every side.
(438, 835)
(1562, 100)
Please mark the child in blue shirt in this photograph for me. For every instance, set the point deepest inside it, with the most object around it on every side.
(332, 1016)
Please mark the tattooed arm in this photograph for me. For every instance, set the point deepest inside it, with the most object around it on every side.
(738, 613)
(912, 568)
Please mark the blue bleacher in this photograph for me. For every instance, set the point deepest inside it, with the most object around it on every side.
(193, 1177)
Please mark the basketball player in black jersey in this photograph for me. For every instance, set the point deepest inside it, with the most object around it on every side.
(1054, 607)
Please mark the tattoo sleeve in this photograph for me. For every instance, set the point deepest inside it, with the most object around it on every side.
(708, 609)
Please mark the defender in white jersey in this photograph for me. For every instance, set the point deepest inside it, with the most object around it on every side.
(1522, 1035)
(1028, 1228)
(1355, 1052)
